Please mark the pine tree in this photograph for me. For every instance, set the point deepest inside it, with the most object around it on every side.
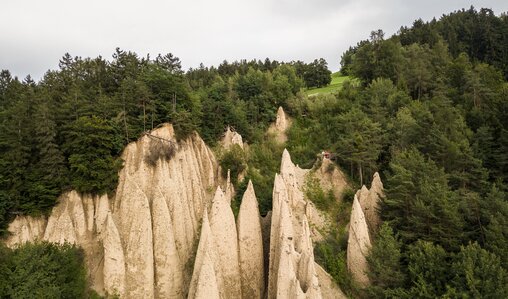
(92, 147)
(358, 141)
(419, 203)
(385, 264)
(48, 173)
(429, 270)
(479, 274)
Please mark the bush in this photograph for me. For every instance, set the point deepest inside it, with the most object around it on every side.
(332, 258)
(159, 149)
(348, 195)
(264, 162)
(234, 160)
(323, 200)
(45, 270)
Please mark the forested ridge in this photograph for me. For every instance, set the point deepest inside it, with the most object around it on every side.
(67, 131)
(428, 109)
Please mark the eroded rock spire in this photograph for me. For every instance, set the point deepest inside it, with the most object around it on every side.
(250, 244)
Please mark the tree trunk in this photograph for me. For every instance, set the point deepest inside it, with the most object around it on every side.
(125, 120)
(360, 172)
(144, 117)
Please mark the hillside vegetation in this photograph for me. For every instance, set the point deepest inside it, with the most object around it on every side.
(337, 81)
(67, 131)
(427, 108)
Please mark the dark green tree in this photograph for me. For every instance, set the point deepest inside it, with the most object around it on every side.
(47, 270)
(419, 204)
(93, 146)
(358, 141)
(479, 274)
(386, 271)
(429, 270)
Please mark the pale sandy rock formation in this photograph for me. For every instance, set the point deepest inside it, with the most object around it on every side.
(223, 227)
(358, 245)
(250, 244)
(168, 267)
(282, 123)
(177, 191)
(231, 138)
(207, 276)
(25, 229)
(331, 178)
(135, 227)
(140, 243)
(137, 243)
(207, 282)
(77, 219)
(229, 189)
(370, 200)
(329, 288)
(114, 261)
(291, 267)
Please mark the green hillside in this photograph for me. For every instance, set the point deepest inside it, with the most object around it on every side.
(337, 81)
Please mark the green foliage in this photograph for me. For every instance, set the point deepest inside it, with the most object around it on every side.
(430, 114)
(239, 191)
(473, 272)
(385, 264)
(334, 261)
(479, 274)
(233, 160)
(335, 85)
(313, 191)
(264, 161)
(494, 210)
(43, 270)
(358, 141)
(5, 271)
(429, 270)
(91, 147)
(67, 130)
(184, 124)
(316, 74)
(419, 203)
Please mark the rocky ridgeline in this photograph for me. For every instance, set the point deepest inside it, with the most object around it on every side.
(231, 138)
(363, 226)
(291, 271)
(137, 244)
(166, 234)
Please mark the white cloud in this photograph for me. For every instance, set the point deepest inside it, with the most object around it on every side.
(35, 34)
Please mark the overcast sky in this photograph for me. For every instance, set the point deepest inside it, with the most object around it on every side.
(34, 34)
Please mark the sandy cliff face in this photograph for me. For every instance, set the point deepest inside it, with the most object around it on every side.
(363, 226)
(358, 244)
(164, 234)
(369, 201)
(292, 270)
(133, 244)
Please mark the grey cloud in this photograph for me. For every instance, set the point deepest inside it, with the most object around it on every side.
(35, 34)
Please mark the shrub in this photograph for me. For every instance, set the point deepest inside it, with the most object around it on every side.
(47, 270)
(234, 160)
(323, 200)
(159, 149)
